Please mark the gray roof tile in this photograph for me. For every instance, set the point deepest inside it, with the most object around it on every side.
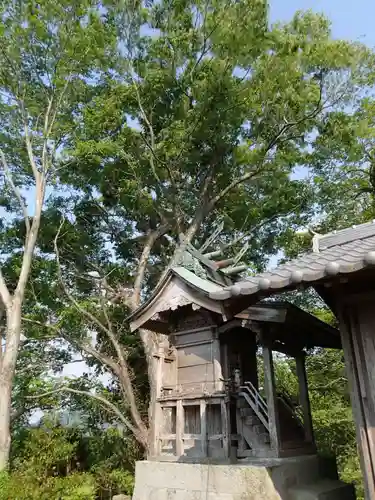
(341, 252)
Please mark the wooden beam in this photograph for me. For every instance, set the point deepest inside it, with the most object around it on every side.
(286, 349)
(270, 388)
(180, 423)
(239, 425)
(304, 398)
(267, 314)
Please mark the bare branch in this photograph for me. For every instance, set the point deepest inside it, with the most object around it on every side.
(101, 399)
(31, 240)
(148, 123)
(46, 129)
(123, 372)
(4, 292)
(81, 345)
(30, 152)
(151, 239)
(16, 191)
(249, 175)
(75, 303)
(58, 104)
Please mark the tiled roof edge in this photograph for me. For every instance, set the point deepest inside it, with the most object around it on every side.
(347, 235)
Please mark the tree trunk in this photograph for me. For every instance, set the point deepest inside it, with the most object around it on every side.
(5, 407)
(7, 368)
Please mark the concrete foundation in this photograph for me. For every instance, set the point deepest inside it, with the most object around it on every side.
(267, 479)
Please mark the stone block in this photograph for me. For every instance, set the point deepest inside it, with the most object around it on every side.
(296, 478)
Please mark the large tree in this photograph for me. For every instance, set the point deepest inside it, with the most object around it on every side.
(50, 52)
(204, 116)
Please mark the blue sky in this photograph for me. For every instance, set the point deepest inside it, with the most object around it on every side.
(352, 20)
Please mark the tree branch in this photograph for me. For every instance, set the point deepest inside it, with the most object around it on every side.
(151, 239)
(16, 191)
(123, 372)
(4, 292)
(30, 242)
(29, 149)
(83, 346)
(148, 123)
(250, 175)
(101, 399)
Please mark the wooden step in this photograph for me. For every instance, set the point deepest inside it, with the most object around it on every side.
(264, 437)
(246, 412)
(251, 420)
(258, 429)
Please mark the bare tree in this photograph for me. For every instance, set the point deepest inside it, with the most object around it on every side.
(46, 54)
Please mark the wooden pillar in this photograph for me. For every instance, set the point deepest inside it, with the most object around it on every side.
(356, 327)
(179, 428)
(270, 388)
(218, 372)
(225, 428)
(156, 411)
(304, 397)
(203, 415)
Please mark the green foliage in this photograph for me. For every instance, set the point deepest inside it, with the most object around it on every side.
(113, 481)
(330, 406)
(22, 486)
(70, 463)
(168, 117)
(45, 469)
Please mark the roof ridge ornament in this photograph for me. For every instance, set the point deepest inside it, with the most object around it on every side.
(315, 240)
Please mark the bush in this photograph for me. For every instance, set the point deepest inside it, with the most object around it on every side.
(112, 482)
(45, 468)
(21, 486)
(54, 462)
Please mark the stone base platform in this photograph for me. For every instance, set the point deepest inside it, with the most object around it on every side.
(300, 478)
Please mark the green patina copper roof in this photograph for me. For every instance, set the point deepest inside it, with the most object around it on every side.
(196, 281)
(191, 263)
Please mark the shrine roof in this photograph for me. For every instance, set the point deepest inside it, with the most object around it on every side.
(337, 253)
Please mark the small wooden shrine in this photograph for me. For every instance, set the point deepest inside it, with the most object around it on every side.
(217, 397)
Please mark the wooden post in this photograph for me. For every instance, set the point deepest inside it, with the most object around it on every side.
(241, 440)
(156, 422)
(353, 372)
(218, 372)
(179, 428)
(270, 388)
(304, 397)
(224, 361)
(225, 428)
(203, 415)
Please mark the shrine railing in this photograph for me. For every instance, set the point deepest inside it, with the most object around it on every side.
(293, 409)
(256, 402)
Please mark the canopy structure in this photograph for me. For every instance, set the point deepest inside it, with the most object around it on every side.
(340, 254)
(341, 268)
